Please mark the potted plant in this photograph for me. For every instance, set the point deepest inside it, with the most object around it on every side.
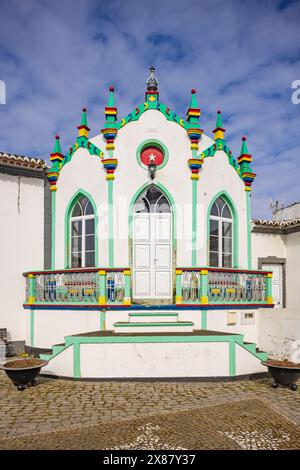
(283, 372)
(23, 372)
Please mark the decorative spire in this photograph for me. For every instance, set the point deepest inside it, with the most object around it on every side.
(57, 155)
(56, 158)
(152, 94)
(244, 161)
(194, 133)
(152, 83)
(111, 112)
(109, 133)
(83, 129)
(193, 113)
(219, 130)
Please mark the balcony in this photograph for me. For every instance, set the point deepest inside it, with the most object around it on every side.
(111, 288)
(218, 286)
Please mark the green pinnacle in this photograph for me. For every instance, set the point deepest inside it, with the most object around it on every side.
(57, 147)
(244, 149)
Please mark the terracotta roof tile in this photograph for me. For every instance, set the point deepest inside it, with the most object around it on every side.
(11, 159)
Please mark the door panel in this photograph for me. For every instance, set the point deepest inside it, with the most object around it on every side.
(162, 257)
(142, 256)
(142, 283)
(141, 228)
(152, 256)
(162, 283)
(163, 228)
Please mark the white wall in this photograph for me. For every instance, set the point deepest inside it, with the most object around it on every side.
(51, 326)
(293, 270)
(154, 360)
(86, 172)
(22, 245)
(279, 332)
(267, 244)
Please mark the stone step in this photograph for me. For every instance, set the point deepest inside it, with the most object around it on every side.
(153, 317)
(153, 327)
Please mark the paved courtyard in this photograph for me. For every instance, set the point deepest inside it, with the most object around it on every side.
(61, 414)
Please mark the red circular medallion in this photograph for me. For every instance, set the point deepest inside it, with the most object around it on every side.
(152, 155)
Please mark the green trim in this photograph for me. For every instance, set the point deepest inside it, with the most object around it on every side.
(53, 209)
(72, 202)
(151, 339)
(153, 314)
(203, 319)
(158, 106)
(234, 213)
(110, 224)
(171, 202)
(32, 328)
(156, 143)
(194, 222)
(135, 324)
(76, 360)
(248, 215)
(102, 320)
(232, 359)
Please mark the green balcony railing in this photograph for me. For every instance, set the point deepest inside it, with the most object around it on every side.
(112, 286)
(223, 286)
(99, 286)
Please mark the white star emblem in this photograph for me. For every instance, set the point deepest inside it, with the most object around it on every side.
(152, 157)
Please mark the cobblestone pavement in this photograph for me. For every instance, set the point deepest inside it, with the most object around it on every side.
(70, 407)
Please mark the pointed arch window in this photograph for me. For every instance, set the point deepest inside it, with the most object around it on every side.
(152, 200)
(82, 233)
(220, 234)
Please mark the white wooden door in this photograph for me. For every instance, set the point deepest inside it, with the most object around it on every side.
(276, 282)
(152, 256)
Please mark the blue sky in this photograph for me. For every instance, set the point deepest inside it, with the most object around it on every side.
(241, 56)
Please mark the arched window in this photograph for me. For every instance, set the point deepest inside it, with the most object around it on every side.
(220, 234)
(152, 200)
(82, 230)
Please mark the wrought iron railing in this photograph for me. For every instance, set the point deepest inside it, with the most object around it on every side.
(223, 286)
(79, 286)
(236, 287)
(190, 286)
(112, 286)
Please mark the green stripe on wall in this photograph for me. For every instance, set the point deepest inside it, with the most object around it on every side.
(110, 224)
(53, 208)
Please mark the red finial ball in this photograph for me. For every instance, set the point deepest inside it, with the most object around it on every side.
(57, 136)
(84, 110)
(193, 91)
(111, 88)
(219, 112)
(244, 138)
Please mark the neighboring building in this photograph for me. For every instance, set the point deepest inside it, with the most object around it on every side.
(23, 195)
(276, 247)
(288, 213)
(152, 272)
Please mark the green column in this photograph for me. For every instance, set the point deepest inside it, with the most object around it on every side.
(248, 215)
(102, 320)
(102, 287)
(53, 210)
(127, 287)
(76, 361)
(110, 223)
(269, 295)
(232, 361)
(32, 327)
(178, 299)
(203, 319)
(204, 286)
(194, 222)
